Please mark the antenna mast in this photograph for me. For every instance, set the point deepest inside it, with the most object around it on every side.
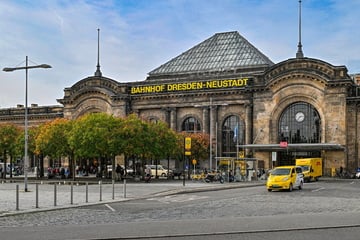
(299, 53)
(98, 72)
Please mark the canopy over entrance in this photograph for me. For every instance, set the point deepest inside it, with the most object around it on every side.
(294, 147)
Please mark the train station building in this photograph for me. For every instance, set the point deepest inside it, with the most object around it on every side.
(249, 105)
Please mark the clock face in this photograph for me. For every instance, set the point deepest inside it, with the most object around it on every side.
(299, 117)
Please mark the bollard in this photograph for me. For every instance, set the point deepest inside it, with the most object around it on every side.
(100, 183)
(55, 195)
(124, 188)
(87, 192)
(113, 189)
(37, 195)
(72, 193)
(17, 197)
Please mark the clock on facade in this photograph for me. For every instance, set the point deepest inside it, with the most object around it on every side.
(299, 117)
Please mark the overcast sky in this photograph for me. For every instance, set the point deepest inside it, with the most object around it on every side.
(137, 36)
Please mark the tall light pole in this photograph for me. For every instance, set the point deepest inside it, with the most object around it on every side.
(27, 67)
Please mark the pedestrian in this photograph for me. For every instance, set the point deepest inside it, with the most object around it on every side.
(147, 174)
(118, 172)
(231, 176)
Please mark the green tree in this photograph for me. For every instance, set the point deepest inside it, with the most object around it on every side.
(92, 137)
(164, 142)
(137, 134)
(52, 140)
(8, 135)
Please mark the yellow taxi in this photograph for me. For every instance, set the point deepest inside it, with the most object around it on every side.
(285, 178)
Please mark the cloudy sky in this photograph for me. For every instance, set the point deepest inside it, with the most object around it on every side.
(137, 36)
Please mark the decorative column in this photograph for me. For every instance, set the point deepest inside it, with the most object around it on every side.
(248, 127)
(173, 118)
(205, 120)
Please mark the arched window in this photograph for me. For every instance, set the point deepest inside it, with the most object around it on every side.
(191, 125)
(233, 133)
(300, 123)
(153, 120)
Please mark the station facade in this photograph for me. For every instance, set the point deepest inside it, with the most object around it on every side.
(224, 86)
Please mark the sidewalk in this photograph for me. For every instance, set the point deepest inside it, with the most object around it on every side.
(57, 195)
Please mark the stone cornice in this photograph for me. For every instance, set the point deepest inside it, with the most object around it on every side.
(306, 66)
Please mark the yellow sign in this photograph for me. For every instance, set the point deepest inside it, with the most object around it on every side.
(194, 161)
(187, 143)
(188, 86)
(187, 153)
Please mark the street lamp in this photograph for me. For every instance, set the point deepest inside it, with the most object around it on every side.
(27, 67)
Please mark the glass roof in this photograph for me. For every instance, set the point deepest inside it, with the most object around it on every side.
(220, 52)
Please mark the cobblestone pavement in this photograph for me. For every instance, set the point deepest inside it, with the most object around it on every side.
(318, 203)
(57, 194)
(249, 202)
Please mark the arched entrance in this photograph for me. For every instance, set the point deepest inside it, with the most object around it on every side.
(233, 134)
(299, 123)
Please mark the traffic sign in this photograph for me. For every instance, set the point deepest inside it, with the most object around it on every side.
(187, 143)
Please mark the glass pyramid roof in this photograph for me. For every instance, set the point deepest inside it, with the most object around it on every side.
(223, 51)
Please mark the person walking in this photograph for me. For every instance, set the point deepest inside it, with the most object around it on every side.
(147, 174)
(118, 172)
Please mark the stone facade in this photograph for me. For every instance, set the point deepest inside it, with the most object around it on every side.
(261, 96)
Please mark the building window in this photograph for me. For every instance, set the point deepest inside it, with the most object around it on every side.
(233, 133)
(191, 125)
(153, 120)
(300, 123)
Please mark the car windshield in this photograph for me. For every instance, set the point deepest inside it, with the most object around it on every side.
(305, 168)
(281, 171)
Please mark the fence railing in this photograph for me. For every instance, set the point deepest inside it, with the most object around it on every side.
(51, 194)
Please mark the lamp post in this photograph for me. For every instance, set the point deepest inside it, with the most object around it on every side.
(26, 68)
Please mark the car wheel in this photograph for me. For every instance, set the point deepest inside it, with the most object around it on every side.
(290, 187)
(269, 190)
(301, 185)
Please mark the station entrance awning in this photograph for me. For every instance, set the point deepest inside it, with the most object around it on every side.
(293, 147)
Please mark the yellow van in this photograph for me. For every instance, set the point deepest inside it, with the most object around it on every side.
(312, 168)
(285, 178)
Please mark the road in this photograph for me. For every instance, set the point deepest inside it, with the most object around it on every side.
(330, 209)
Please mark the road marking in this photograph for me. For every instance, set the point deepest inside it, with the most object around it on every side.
(317, 190)
(108, 206)
(177, 198)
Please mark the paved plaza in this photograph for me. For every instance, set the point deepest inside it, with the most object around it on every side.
(50, 195)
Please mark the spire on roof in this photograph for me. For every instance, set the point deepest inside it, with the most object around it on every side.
(299, 53)
(98, 72)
